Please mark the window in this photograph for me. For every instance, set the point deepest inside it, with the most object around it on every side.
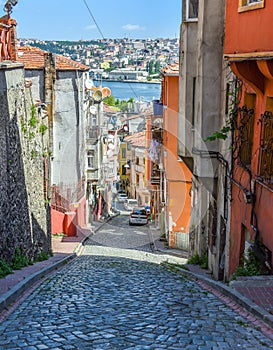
(192, 10)
(91, 159)
(123, 153)
(247, 5)
(123, 170)
(245, 135)
(94, 120)
(266, 145)
(137, 180)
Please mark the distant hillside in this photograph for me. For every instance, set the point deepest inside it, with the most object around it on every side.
(60, 46)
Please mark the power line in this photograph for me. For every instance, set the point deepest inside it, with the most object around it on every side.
(91, 14)
(132, 89)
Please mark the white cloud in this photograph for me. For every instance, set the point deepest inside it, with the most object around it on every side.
(90, 27)
(133, 27)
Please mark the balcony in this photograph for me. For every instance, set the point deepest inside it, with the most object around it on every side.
(139, 168)
(92, 174)
(157, 134)
(155, 175)
(92, 135)
(158, 108)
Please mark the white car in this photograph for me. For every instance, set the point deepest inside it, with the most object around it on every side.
(130, 203)
(138, 216)
(121, 197)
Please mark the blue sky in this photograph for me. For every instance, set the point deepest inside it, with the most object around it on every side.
(70, 19)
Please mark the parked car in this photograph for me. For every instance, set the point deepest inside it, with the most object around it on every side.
(130, 203)
(121, 197)
(138, 216)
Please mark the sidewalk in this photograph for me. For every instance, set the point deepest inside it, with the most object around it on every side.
(254, 294)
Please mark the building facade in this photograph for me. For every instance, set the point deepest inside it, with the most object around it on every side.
(176, 176)
(201, 98)
(249, 53)
(58, 84)
(24, 207)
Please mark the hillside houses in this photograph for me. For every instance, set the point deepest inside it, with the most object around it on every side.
(119, 53)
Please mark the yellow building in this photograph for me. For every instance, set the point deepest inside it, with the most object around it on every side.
(105, 65)
(124, 181)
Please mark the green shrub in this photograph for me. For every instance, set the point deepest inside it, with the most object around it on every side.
(204, 262)
(194, 260)
(20, 260)
(251, 266)
(41, 257)
(5, 268)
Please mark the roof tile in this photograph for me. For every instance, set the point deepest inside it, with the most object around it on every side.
(34, 58)
(172, 69)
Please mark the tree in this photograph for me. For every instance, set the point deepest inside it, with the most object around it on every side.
(157, 67)
(110, 100)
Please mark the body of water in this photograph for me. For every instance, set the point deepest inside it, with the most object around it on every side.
(126, 90)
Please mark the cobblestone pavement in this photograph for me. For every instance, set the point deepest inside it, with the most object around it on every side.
(100, 302)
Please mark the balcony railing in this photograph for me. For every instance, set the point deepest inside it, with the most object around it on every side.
(92, 175)
(92, 134)
(155, 175)
(157, 134)
(139, 168)
(158, 108)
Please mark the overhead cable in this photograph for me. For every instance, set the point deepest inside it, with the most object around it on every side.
(91, 14)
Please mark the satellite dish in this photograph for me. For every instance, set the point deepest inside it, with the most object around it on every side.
(97, 95)
(89, 84)
(106, 92)
(110, 153)
(111, 146)
(93, 109)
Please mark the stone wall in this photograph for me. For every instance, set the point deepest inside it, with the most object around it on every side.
(24, 211)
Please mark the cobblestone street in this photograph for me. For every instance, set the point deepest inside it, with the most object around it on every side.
(100, 302)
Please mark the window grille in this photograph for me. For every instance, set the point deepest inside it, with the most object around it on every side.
(245, 136)
(266, 147)
(123, 153)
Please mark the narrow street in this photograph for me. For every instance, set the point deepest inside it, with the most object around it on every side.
(103, 301)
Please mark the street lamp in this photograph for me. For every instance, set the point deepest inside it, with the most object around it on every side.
(9, 5)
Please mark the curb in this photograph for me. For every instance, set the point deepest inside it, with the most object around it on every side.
(15, 292)
(243, 301)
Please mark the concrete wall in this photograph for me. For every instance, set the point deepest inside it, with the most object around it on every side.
(68, 129)
(24, 213)
(201, 91)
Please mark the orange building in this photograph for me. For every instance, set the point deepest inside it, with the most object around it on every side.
(249, 50)
(177, 177)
